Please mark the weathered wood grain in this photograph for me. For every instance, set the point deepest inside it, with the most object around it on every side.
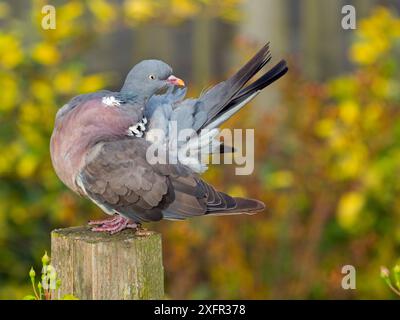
(99, 266)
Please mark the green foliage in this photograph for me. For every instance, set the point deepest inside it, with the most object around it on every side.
(340, 147)
(37, 76)
(40, 70)
(327, 162)
(393, 283)
(327, 166)
(48, 286)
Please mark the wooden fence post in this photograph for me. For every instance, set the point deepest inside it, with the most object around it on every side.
(99, 266)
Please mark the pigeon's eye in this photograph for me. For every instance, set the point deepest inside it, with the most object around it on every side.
(152, 77)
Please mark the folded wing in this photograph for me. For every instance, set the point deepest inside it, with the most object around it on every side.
(118, 178)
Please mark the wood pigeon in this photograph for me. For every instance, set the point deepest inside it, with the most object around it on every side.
(101, 141)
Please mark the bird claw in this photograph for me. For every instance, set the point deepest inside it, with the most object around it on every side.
(113, 225)
(100, 222)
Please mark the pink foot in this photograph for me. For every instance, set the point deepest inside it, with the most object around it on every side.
(113, 225)
(100, 222)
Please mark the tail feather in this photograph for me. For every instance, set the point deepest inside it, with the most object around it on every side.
(203, 199)
(269, 77)
(228, 97)
(220, 203)
(248, 93)
(216, 98)
(243, 206)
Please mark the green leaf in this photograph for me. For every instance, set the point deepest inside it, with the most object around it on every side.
(29, 297)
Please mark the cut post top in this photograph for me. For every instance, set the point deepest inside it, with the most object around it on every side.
(84, 233)
(99, 266)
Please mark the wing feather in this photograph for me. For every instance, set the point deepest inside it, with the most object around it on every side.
(118, 178)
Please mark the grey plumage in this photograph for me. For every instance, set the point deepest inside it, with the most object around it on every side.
(94, 154)
(146, 78)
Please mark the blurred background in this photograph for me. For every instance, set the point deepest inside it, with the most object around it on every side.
(327, 147)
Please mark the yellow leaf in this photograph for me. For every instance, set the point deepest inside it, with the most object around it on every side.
(280, 179)
(70, 11)
(10, 51)
(353, 161)
(41, 90)
(65, 82)
(9, 92)
(237, 191)
(139, 10)
(363, 53)
(29, 112)
(371, 115)
(325, 128)
(92, 83)
(26, 166)
(184, 8)
(349, 112)
(349, 209)
(102, 10)
(46, 53)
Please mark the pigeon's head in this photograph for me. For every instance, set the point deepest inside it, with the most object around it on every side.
(148, 77)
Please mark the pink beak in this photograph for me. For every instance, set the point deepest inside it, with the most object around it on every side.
(176, 81)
